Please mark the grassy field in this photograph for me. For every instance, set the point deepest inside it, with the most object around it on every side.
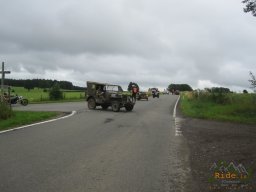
(240, 108)
(24, 118)
(38, 95)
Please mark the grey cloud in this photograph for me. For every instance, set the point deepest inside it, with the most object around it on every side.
(151, 42)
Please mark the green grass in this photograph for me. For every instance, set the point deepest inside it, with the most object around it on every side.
(240, 108)
(24, 118)
(38, 95)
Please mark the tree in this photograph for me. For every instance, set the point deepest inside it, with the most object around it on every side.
(252, 81)
(250, 6)
(66, 85)
(28, 84)
(180, 87)
(220, 90)
(55, 93)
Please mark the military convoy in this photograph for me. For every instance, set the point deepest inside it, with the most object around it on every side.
(106, 95)
(110, 95)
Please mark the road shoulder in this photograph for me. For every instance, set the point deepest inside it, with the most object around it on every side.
(212, 142)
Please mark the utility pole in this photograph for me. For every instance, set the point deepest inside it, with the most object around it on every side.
(3, 72)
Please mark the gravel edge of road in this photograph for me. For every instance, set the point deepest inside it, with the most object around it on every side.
(211, 141)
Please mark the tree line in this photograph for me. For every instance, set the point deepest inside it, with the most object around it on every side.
(186, 87)
(41, 83)
(179, 87)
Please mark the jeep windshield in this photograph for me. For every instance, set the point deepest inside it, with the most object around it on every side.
(113, 88)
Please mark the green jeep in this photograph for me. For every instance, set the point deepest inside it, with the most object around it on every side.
(105, 95)
(142, 95)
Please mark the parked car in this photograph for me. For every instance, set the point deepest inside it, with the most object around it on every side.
(106, 95)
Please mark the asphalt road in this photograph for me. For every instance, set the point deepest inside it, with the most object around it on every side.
(98, 151)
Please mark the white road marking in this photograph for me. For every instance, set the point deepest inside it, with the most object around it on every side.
(175, 107)
(39, 123)
(177, 121)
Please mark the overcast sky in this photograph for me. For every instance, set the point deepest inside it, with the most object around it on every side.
(203, 43)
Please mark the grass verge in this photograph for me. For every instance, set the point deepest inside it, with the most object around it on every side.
(38, 95)
(26, 117)
(239, 112)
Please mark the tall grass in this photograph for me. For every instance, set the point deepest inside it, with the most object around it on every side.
(5, 111)
(42, 95)
(233, 107)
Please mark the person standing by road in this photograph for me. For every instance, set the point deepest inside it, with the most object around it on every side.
(133, 88)
(134, 92)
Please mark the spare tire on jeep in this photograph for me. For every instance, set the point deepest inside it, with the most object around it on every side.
(91, 103)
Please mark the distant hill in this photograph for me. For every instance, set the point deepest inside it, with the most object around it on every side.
(41, 83)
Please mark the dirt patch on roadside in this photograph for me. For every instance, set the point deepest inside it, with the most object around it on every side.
(213, 144)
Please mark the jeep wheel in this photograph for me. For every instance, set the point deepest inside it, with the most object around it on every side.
(129, 107)
(115, 106)
(91, 103)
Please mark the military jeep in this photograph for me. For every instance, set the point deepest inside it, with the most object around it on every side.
(155, 92)
(142, 95)
(106, 95)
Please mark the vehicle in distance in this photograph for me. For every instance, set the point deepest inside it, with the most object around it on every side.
(106, 95)
(142, 95)
(155, 92)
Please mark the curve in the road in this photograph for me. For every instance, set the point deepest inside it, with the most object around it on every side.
(39, 123)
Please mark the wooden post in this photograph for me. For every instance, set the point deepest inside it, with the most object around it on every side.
(9, 96)
(2, 80)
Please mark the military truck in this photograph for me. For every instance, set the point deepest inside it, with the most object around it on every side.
(106, 95)
(155, 92)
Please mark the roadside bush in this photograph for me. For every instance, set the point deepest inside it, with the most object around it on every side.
(215, 97)
(233, 107)
(5, 111)
(254, 98)
(220, 98)
(201, 95)
(55, 93)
